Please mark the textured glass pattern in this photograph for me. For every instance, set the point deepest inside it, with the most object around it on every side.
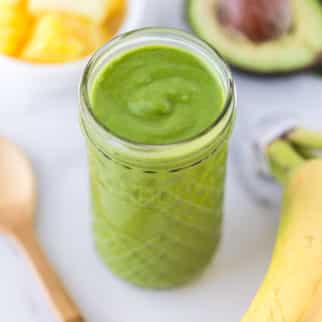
(157, 229)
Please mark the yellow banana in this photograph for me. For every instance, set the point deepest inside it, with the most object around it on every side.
(292, 288)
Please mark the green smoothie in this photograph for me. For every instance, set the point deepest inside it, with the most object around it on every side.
(157, 95)
(157, 179)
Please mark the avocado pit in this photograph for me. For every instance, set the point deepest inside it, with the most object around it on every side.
(258, 20)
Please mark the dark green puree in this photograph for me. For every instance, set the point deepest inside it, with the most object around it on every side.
(157, 228)
(156, 95)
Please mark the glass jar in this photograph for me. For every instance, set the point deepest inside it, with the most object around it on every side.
(157, 208)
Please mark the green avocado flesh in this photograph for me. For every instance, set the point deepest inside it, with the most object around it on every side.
(299, 48)
(157, 95)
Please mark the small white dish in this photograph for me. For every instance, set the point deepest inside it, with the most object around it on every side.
(23, 83)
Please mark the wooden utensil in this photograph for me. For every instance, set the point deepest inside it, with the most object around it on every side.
(17, 205)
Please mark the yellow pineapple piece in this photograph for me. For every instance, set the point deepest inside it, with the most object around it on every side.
(115, 7)
(15, 24)
(95, 10)
(62, 37)
(115, 15)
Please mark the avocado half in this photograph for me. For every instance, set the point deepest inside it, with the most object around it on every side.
(297, 49)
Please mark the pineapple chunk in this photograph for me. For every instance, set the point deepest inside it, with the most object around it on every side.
(116, 7)
(61, 37)
(15, 24)
(95, 10)
(10, 2)
(115, 15)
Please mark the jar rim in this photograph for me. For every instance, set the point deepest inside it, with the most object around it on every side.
(87, 116)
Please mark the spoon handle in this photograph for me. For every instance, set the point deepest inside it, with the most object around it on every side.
(62, 303)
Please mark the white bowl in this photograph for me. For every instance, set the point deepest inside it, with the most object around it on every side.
(24, 84)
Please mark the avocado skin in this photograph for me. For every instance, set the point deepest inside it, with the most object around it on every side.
(316, 65)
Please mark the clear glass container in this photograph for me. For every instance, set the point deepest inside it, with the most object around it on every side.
(157, 209)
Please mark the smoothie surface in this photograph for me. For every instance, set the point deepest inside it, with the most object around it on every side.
(156, 95)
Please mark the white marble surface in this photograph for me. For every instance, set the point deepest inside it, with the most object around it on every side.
(48, 130)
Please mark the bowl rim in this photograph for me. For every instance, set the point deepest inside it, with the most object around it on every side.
(134, 15)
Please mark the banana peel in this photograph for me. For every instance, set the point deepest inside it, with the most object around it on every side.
(292, 288)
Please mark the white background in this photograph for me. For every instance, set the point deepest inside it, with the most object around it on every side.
(48, 130)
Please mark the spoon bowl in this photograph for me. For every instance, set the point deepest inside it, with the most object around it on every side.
(17, 206)
(17, 187)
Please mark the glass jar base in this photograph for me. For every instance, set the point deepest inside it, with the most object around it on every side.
(155, 278)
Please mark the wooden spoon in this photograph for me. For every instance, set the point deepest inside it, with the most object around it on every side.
(17, 205)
